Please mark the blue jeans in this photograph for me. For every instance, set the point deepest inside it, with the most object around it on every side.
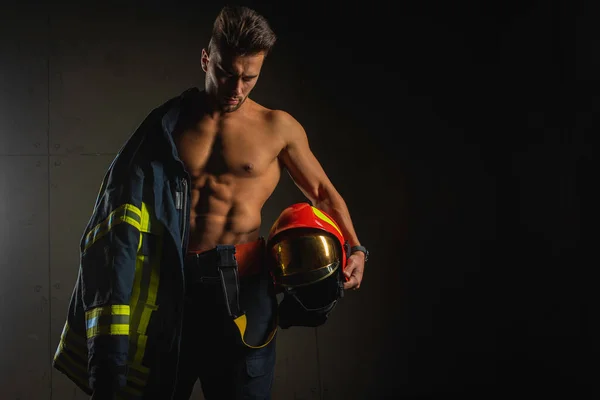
(210, 350)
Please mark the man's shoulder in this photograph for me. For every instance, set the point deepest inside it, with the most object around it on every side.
(273, 115)
(278, 122)
(285, 124)
(279, 119)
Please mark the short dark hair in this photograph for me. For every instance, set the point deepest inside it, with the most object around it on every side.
(242, 31)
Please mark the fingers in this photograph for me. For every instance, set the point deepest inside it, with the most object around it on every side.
(351, 284)
(354, 279)
(354, 274)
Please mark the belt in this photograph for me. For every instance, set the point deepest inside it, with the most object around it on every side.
(202, 266)
(226, 264)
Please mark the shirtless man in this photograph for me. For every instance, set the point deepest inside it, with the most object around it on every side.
(234, 152)
(181, 205)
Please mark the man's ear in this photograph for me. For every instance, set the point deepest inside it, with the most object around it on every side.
(204, 60)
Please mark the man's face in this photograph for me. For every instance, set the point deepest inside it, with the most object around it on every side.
(230, 78)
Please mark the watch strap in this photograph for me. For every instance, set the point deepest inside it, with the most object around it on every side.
(360, 248)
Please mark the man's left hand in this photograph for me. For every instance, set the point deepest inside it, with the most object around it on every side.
(355, 266)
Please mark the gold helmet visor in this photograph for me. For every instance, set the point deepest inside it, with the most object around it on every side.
(303, 257)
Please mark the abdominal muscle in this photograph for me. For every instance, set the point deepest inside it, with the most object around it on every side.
(227, 215)
(208, 231)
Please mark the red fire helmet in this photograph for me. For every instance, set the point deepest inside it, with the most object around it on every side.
(305, 246)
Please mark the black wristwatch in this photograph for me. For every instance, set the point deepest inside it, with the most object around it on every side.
(360, 248)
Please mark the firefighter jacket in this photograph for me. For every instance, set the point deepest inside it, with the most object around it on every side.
(125, 309)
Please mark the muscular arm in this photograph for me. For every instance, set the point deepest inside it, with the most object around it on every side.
(308, 174)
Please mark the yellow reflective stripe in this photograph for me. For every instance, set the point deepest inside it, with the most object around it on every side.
(72, 342)
(65, 363)
(76, 338)
(115, 309)
(75, 344)
(138, 346)
(114, 329)
(81, 369)
(139, 290)
(154, 275)
(144, 293)
(140, 380)
(140, 242)
(61, 343)
(127, 213)
(140, 349)
(241, 322)
(152, 293)
(145, 218)
(137, 286)
(145, 224)
(108, 320)
(325, 218)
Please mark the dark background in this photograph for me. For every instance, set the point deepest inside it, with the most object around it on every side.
(458, 133)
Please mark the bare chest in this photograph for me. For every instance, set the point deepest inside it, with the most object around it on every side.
(232, 148)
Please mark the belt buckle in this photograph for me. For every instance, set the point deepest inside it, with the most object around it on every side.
(226, 257)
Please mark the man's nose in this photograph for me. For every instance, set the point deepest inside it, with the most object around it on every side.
(238, 85)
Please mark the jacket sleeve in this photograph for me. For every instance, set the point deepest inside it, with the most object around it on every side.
(108, 260)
